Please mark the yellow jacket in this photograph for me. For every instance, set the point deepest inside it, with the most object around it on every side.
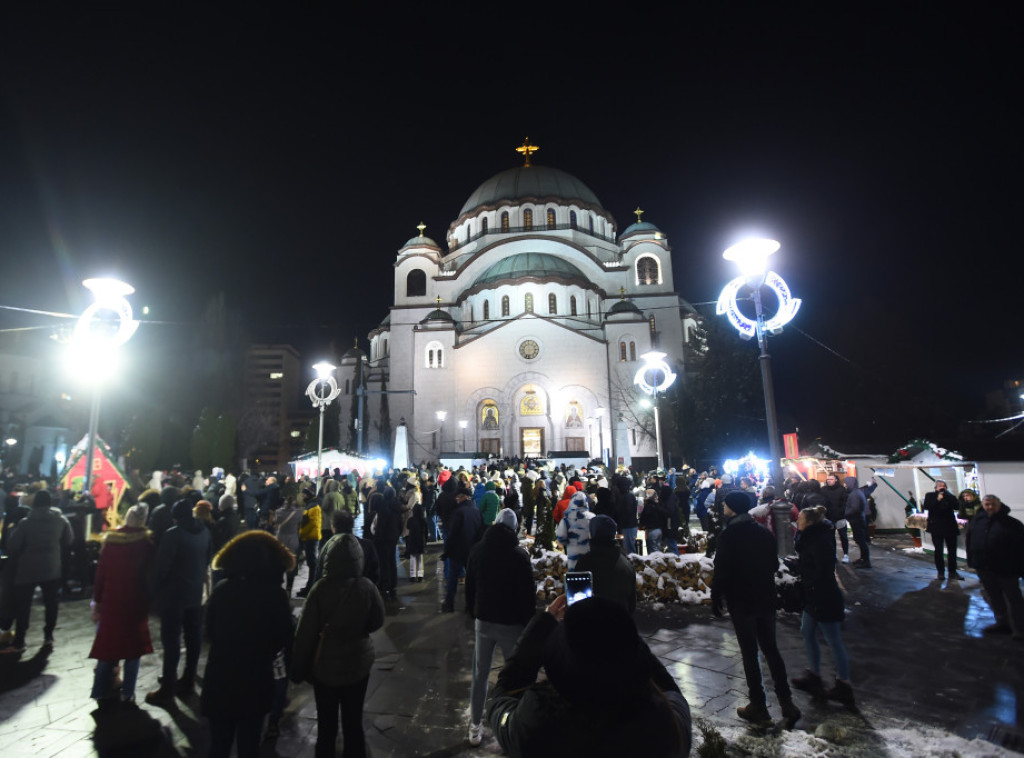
(311, 530)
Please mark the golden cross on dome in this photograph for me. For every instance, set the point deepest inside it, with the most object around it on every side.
(638, 213)
(421, 226)
(356, 342)
(527, 150)
(622, 293)
(438, 301)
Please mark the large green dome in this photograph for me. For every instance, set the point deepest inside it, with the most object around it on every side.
(530, 182)
(536, 265)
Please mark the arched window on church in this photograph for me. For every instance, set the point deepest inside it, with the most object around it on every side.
(622, 351)
(528, 219)
(588, 307)
(434, 355)
(384, 352)
(504, 221)
(471, 319)
(504, 305)
(647, 270)
(551, 218)
(572, 305)
(483, 225)
(632, 351)
(572, 219)
(529, 302)
(416, 283)
(487, 310)
(552, 304)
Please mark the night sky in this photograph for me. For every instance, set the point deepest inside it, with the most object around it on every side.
(284, 155)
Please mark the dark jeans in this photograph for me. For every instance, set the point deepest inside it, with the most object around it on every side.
(949, 541)
(844, 539)
(860, 536)
(349, 698)
(23, 608)
(245, 730)
(451, 581)
(388, 564)
(753, 632)
(1004, 596)
(173, 623)
(310, 548)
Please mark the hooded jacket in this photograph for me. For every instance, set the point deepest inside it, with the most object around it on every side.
(499, 579)
(489, 503)
(122, 595)
(626, 509)
(248, 622)
(816, 546)
(856, 501)
(573, 531)
(614, 576)
(345, 607)
(36, 543)
(465, 528)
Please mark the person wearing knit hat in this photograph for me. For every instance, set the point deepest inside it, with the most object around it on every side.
(614, 576)
(35, 548)
(500, 596)
(744, 580)
(121, 606)
(604, 687)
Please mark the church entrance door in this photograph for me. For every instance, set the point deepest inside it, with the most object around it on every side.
(531, 441)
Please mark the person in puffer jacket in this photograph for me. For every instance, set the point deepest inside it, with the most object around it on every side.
(573, 531)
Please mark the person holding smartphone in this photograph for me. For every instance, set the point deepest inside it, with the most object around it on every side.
(604, 689)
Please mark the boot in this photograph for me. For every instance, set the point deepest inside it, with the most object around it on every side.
(160, 695)
(756, 713)
(790, 713)
(810, 682)
(842, 693)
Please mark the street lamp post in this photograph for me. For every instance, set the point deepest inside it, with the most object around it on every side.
(752, 258)
(599, 413)
(462, 425)
(322, 391)
(653, 377)
(92, 340)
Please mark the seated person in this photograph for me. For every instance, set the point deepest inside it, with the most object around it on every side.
(605, 693)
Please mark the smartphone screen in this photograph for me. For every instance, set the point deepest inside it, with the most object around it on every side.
(579, 585)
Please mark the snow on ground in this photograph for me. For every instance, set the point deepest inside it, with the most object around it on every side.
(847, 736)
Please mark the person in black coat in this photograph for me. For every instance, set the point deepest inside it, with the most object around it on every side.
(745, 566)
(248, 625)
(625, 511)
(823, 605)
(835, 510)
(465, 528)
(501, 598)
(995, 548)
(416, 542)
(386, 526)
(942, 506)
(344, 523)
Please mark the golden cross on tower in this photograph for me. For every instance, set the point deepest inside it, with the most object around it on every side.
(421, 226)
(527, 150)
(356, 342)
(622, 293)
(438, 301)
(638, 213)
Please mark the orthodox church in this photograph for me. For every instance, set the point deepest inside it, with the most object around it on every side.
(522, 334)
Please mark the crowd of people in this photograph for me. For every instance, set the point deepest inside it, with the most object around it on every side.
(217, 557)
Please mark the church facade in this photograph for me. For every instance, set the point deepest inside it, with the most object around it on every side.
(522, 334)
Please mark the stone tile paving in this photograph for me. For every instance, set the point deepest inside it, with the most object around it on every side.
(917, 653)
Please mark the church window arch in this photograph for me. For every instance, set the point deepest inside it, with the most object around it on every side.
(632, 351)
(504, 305)
(434, 355)
(622, 351)
(487, 310)
(483, 225)
(590, 220)
(572, 219)
(471, 319)
(528, 302)
(504, 221)
(572, 305)
(648, 271)
(551, 218)
(552, 304)
(416, 283)
(384, 351)
(528, 219)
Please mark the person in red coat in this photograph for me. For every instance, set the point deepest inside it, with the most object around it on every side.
(121, 606)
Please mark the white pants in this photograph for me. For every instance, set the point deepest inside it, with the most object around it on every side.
(415, 565)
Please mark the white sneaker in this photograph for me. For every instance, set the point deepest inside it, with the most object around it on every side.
(846, 559)
(476, 733)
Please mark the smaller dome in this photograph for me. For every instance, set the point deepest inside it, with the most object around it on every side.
(624, 306)
(537, 265)
(643, 227)
(418, 241)
(353, 353)
(437, 315)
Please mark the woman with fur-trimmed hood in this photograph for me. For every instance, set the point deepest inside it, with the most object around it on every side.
(248, 623)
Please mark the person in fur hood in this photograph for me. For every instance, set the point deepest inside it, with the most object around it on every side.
(248, 625)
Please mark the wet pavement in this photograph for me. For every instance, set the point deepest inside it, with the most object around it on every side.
(918, 659)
